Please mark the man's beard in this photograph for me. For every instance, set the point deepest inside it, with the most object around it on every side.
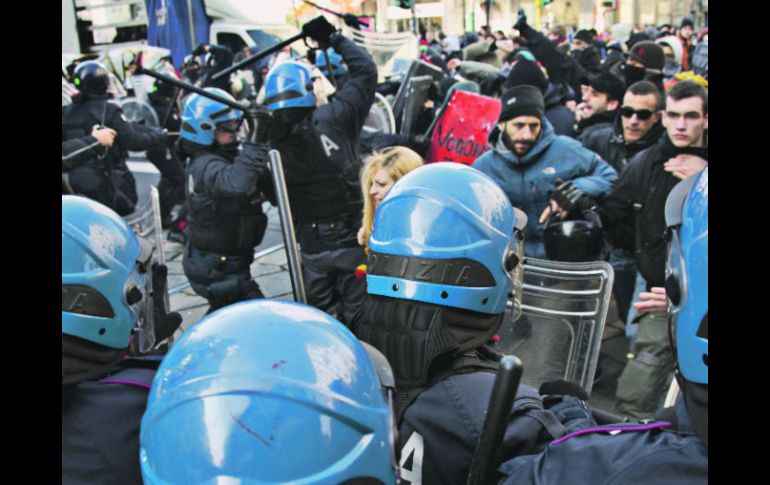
(511, 145)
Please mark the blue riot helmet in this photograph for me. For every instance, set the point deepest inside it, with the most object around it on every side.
(201, 116)
(444, 234)
(267, 391)
(289, 85)
(687, 274)
(338, 68)
(106, 279)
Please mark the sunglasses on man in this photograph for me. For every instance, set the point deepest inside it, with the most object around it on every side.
(642, 114)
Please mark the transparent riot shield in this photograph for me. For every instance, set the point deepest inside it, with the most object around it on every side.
(563, 311)
(417, 68)
(416, 95)
(380, 118)
(139, 112)
(386, 48)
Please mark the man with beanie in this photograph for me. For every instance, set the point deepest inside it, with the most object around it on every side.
(601, 97)
(526, 72)
(645, 62)
(527, 159)
(582, 49)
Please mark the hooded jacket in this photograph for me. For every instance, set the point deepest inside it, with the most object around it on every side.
(561, 117)
(529, 180)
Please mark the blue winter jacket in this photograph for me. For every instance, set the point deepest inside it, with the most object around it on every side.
(529, 180)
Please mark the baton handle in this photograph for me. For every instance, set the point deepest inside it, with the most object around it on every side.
(500, 402)
(193, 88)
(259, 55)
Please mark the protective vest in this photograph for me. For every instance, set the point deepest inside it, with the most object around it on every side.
(230, 226)
(105, 178)
(317, 191)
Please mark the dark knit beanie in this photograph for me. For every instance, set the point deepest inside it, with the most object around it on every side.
(608, 84)
(687, 22)
(584, 35)
(526, 72)
(522, 101)
(636, 37)
(648, 53)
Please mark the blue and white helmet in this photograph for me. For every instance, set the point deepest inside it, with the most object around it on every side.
(289, 85)
(201, 116)
(105, 276)
(267, 391)
(687, 274)
(444, 234)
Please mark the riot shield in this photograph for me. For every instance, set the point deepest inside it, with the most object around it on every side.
(416, 95)
(386, 48)
(145, 221)
(380, 118)
(139, 112)
(563, 311)
(468, 86)
(461, 129)
(417, 68)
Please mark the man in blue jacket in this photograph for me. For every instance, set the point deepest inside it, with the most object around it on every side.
(527, 159)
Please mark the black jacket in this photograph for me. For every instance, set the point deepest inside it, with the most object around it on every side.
(608, 142)
(561, 117)
(223, 195)
(321, 155)
(561, 67)
(640, 195)
(106, 178)
(588, 126)
(100, 426)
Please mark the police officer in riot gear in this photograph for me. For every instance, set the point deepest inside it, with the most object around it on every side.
(321, 159)
(224, 200)
(104, 177)
(110, 298)
(441, 264)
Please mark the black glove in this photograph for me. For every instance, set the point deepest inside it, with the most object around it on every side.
(350, 20)
(199, 50)
(166, 322)
(570, 198)
(521, 21)
(319, 29)
(257, 119)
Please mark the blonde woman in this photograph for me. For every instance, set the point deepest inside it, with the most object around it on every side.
(381, 170)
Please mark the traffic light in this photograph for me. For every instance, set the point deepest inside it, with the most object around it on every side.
(407, 4)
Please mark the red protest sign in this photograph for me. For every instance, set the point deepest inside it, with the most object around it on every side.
(460, 134)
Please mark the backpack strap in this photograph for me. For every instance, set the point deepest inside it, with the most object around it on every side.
(472, 361)
(133, 376)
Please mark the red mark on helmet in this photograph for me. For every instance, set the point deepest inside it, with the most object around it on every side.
(641, 51)
(250, 431)
(495, 338)
(278, 364)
